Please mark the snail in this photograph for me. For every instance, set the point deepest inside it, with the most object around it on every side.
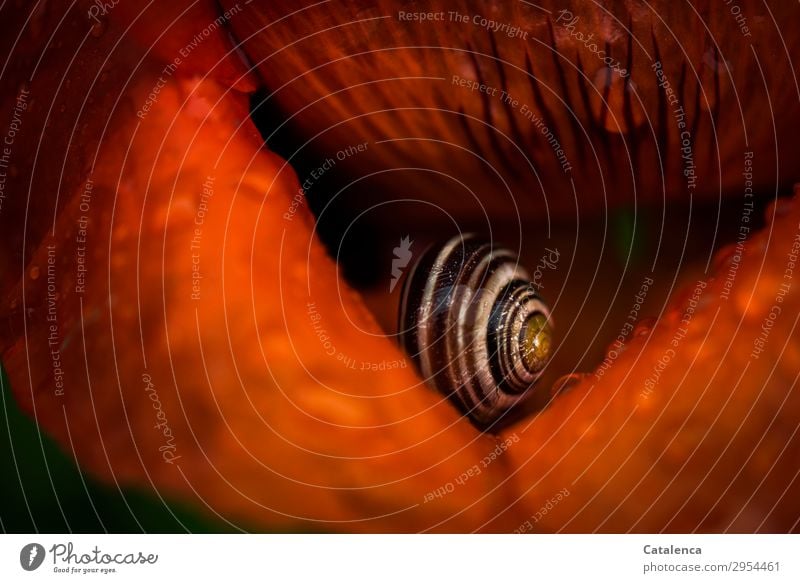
(472, 322)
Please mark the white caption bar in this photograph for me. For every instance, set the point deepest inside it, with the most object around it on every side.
(356, 558)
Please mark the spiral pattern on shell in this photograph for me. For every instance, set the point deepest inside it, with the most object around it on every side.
(475, 326)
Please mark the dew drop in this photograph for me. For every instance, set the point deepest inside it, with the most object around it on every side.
(566, 383)
(34, 272)
(98, 28)
(644, 327)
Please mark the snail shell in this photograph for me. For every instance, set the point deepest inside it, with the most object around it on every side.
(475, 326)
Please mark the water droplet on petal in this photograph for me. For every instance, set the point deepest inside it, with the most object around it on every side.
(98, 28)
(34, 272)
(644, 327)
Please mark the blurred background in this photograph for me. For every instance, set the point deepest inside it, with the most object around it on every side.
(42, 489)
